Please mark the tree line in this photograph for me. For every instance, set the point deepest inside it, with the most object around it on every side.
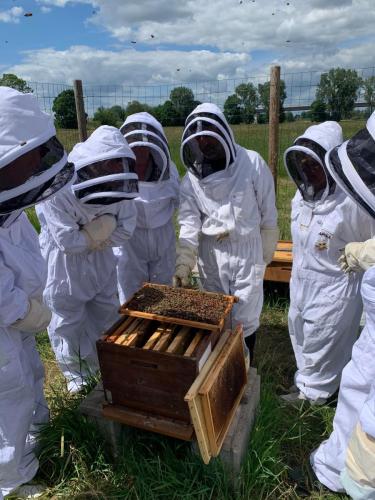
(336, 94)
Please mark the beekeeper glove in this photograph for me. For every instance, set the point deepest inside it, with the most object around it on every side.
(185, 262)
(358, 256)
(99, 230)
(270, 237)
(37, 318)
(360, 458)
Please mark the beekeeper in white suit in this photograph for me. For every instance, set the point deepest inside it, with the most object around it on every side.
(33, 167)
(227, 215)
(325, 304)
(79, 229)
(149, 255)
(352, 165)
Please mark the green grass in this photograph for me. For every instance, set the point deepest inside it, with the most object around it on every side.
(155, 467)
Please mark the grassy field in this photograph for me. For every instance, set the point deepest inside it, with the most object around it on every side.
(154, 467)
(251, 137)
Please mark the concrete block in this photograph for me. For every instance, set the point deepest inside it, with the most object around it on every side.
(234, 449)
(91, 407)
(235, 444)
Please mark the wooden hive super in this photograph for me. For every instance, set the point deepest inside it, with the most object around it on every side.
(150, 362)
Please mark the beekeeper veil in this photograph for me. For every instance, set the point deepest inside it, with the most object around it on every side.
(352, 165)
(148, 142)
(105, 168)
(33, 163)
(207, 142)
(305, 164)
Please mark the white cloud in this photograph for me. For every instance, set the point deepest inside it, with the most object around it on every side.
(45, 10)
(60, 3)
(239, 38)
(359, 56)
(229, 25)
(128, 67)
(12, 15)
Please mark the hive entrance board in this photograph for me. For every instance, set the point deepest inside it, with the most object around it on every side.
(193, 308)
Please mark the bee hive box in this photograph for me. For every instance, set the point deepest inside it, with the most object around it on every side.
(150, 364)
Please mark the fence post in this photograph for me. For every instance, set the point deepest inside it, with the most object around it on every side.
(80, 110)
(273, 130)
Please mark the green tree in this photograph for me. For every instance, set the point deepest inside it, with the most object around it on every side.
(10, 80)
(106, 116)
(289, 117)
(232, 109)
(247, 94)
(136, 107)
(306, 115)
(264, 97)
(182, 99)
(318, 111)
(369, 94)
(64, 108)
(166, 114)
(338, 89)
(119, 111)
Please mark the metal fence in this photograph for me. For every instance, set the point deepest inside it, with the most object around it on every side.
(300, 89)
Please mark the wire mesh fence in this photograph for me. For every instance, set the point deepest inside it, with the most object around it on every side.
(244, 101)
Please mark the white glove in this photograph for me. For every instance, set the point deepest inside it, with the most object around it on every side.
(358, 256)
(185, 262)
(36, 320)
(270, 237)
(99, 230)
(360, 457)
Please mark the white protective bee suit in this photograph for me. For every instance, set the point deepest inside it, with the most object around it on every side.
(81, 287)
(149, 255)
(227, 206)
(33, 166)
(325, 304)
(352, 165)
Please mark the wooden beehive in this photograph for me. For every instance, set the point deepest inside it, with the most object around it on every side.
(280, 268)
(152, 364)
(149, 365)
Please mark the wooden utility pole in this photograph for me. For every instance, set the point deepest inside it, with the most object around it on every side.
(80, 110)
(273, 133)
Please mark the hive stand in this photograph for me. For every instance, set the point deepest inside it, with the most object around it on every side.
(236, 442)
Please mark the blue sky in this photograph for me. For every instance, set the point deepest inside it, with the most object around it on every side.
(194, 40)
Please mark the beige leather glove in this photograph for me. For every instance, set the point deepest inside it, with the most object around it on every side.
(222, 236)
(270, 237)
(36, 320)
(358, 256)
(185, 262)
(360, 457)
(99, 230)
